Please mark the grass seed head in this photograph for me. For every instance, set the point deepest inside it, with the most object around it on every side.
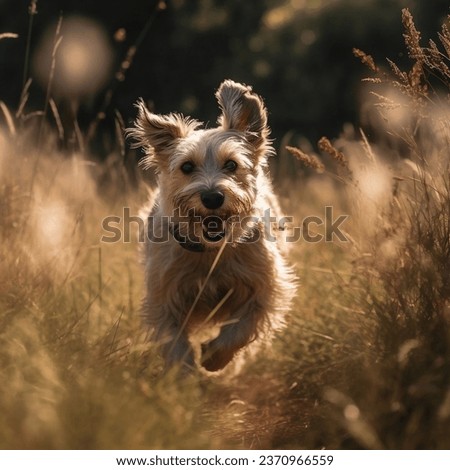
(310, 161)
(326, 146)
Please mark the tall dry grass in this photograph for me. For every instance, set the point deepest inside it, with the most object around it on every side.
(365, 360)
(385, 381)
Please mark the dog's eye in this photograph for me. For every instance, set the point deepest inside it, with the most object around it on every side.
(187, 167)
(230, 165)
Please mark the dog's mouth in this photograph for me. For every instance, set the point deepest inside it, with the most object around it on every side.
(213, 228)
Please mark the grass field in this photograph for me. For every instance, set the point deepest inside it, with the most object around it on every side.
(365, 360)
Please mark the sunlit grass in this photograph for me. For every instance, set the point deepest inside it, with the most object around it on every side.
(362, 363)
(72, 348)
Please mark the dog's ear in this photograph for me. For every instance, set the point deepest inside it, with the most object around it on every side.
(243, 111)
(159, 134)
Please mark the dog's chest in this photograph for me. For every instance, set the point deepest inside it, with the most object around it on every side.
(217, 295)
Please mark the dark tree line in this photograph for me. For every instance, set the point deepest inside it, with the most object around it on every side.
(299, 59)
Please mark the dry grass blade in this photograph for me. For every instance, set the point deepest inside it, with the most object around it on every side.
(79, 138)
(367, 147)
(326, 146)
(435, 59)
(119, 125)
(23, 99)
(366, 59)
(202, 288)
(57, 117)
(444, 37)
(57, 43)
(215, 309)
(311, 161)
(415, 75)
(116, 327)
(412, 36)
(125, 65)
(9, 119)
(402, 76)
(8, 36)
(385, 102)
(32, 11)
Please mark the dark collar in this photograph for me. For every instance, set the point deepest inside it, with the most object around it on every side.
(185, 242)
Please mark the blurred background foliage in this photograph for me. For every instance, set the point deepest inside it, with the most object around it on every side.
(296, 53)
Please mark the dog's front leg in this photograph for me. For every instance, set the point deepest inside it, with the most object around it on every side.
(173, 342)
(240, 331)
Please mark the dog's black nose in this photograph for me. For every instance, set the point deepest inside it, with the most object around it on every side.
(212, 199)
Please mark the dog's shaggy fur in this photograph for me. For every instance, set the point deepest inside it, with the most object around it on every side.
(212, 267)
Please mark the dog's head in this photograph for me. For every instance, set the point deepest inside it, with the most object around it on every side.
(209, 175)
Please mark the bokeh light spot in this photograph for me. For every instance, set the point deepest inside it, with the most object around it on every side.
(82, 61)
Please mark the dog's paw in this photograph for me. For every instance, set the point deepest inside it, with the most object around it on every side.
(214, 359)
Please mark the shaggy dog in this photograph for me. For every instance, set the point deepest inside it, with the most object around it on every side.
(212, 253)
